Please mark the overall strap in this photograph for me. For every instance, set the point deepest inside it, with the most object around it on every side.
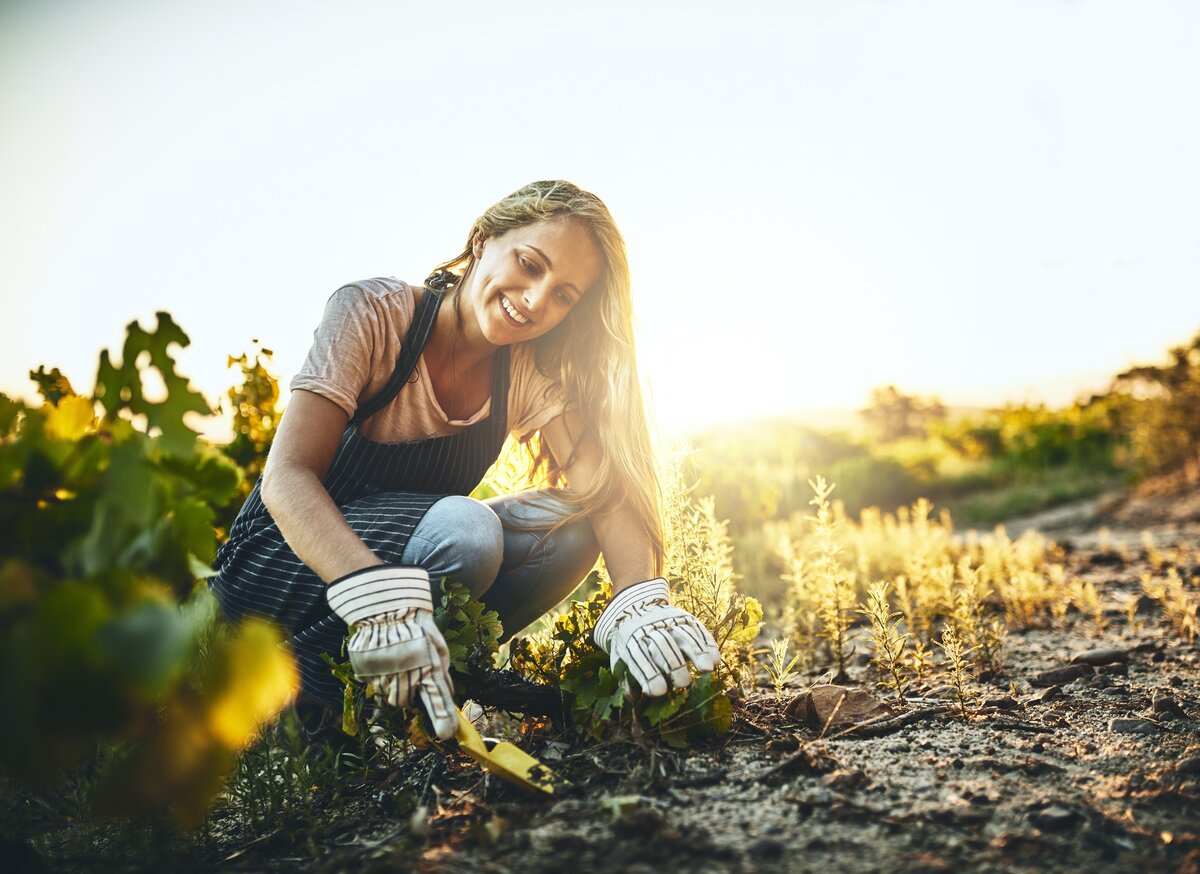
(410, 351)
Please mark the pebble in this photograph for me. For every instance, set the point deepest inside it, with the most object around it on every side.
(1004, 702)
(765, 848)
(1122, 725)
(1146, 606)
(1054, 818)
(1102, 656)
(966, 815)
(1057, 676)
(1047, 694)
(1189, 765)
(1165, 705)
(844, 781)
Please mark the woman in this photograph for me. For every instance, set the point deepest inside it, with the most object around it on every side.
(402, 405)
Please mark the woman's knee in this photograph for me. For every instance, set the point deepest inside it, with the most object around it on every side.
(459, 538)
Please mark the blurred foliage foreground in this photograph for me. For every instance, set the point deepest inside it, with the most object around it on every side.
(107, 512)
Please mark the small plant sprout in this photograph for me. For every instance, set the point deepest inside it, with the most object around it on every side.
(959, 668)
(890, 642)
(834, 585)
(983, 633)
(779, 668)
(1180, 605)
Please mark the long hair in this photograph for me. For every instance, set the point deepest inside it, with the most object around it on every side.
(591, 352)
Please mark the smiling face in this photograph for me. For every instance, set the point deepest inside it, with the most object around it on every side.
(528, 279)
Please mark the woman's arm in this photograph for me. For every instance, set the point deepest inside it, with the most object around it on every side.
(308, 519)
(627, 547)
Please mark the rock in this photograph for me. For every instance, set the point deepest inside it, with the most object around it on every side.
(845, 781)
(787, 744)
(829, 706)
(1058, 676)
(1003, 702)
(644, 822)
(967, 815)
(765, 849)
(1146, 606)
(1103, 656)
(1166, 705)
(1054, 818)
(1129, 725)
(1047, 694)
(1189, 765)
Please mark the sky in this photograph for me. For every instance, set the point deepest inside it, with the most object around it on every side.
(986, 202)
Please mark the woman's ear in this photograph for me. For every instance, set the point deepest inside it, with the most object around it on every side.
(477, 246)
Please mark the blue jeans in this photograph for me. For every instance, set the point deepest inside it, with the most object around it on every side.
(521, 574)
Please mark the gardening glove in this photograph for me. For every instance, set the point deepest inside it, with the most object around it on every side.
(655, 640)
(394, 644)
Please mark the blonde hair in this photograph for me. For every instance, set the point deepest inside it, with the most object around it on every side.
(591, 352)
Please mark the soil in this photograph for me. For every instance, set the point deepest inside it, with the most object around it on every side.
(1097, 769)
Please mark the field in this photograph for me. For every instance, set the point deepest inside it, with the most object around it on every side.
(1082, 753)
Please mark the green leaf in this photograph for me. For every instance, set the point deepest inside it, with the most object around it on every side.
(119, 387)
(53, 386)
(9, 411)
(664, 707)
(146, 645)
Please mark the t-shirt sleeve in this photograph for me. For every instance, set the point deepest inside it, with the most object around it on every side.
(338, 365)
(534, 398)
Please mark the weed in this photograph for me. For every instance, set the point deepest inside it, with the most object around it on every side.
(698, 562)
(834, 584)
(1180, 604)
(891, 643)
(779, 669)
(982, 632)
(959, 668)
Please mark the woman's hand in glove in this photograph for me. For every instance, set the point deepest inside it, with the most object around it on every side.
(654, 639)
(394, 643)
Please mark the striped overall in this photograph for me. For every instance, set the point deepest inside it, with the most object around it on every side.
(383, 489)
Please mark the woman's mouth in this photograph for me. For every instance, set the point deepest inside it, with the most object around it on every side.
(511, 312)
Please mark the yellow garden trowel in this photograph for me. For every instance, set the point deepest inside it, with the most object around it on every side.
(504, 759)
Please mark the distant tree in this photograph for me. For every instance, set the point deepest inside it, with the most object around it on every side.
(893, 415)
(1162, 410)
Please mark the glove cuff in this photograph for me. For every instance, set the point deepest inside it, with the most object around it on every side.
(373, 591)
(650, 592)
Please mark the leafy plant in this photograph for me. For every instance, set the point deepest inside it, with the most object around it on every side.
(959, 668)
(834, 583)
(106, 520)
(1180, 605)
(891, 643)
(594, 696)
(779, 669)
(255, 405)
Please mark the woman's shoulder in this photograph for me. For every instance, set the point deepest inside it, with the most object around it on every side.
(382, 298)
(381, 288)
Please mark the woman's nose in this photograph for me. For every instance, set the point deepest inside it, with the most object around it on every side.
(534, 296)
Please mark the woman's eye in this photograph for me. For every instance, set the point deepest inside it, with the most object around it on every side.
(529, 265)
(564, 297)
